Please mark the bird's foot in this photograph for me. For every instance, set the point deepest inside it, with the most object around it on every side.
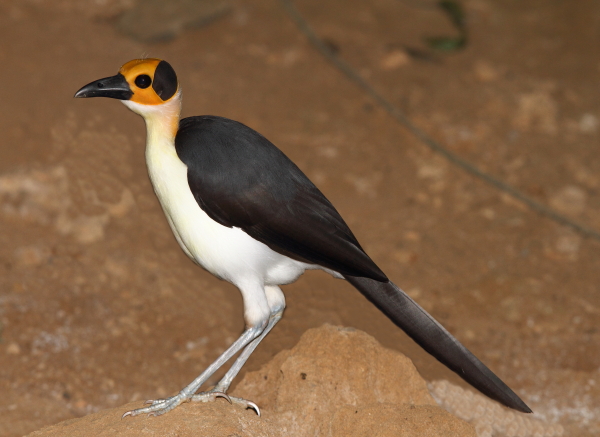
(161, 406)
(211, 395)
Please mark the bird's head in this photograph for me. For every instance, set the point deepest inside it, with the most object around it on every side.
(147, 86)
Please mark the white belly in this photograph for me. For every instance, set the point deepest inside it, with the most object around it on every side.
(228, 253)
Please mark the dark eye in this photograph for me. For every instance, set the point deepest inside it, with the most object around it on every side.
(143, 81)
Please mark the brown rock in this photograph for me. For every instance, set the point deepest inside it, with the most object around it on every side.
(305, 391)
(213, 419)
(383, 420)
(334, 382)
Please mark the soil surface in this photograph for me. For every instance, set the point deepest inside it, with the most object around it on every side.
(369, 390)
(99, 306)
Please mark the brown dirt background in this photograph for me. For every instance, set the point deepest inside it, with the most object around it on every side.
(98, 305)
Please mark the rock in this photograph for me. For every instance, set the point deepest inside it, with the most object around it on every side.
(334, 382)
(213, 419)
(333, 372)
(392, 420)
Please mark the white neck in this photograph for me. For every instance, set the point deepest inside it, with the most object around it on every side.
(162, 120)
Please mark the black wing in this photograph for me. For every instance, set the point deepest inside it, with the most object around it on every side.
(240, 179)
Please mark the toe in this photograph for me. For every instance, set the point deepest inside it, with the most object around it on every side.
(246, 403)
(158, 407)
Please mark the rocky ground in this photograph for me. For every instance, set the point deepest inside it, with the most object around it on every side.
(99, 307)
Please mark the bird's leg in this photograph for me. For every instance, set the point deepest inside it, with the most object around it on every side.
(225, 382)
(222, 386)
(165, 405)
(276, 304)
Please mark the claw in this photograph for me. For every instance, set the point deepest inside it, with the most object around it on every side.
(247, 404)
(254, 407)
(219, 394)
(156, 401)
(160, 406)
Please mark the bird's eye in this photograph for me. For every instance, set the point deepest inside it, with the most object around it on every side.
(143, 81)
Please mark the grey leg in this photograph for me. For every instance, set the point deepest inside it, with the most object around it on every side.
(165, 405)
(276, 303)
(223, 385)
(225, 382)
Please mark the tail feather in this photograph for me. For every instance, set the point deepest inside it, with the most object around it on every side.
(436, 340)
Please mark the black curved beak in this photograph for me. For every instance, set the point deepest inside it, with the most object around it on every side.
(115, 87)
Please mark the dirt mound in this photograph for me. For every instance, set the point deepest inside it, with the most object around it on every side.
(335, 381)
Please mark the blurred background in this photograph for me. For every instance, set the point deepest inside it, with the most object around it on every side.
(99, 306)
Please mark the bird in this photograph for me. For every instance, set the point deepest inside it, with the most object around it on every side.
(242, 210)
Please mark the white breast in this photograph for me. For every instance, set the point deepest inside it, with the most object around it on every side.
(228, 253)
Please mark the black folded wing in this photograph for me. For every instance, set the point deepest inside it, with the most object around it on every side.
(240, 179)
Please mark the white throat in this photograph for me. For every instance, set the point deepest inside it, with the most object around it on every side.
(162, 120)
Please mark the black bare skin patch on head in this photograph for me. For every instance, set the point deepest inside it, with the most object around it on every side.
(165, 81)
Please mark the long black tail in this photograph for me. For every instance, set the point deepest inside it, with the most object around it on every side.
(434, 338)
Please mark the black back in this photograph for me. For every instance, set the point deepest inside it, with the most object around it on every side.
(240, 179)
